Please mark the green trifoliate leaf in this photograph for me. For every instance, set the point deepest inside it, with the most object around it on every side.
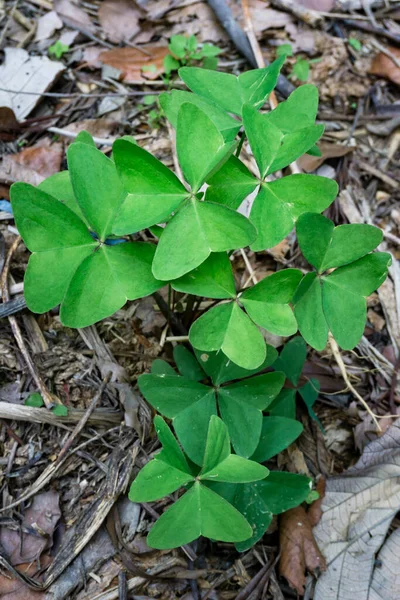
(235, 469)
(221, 369)
(280, 203)
(105, 280)
(59, 186)
(187, 364)
(265, 139)
(230, 92)
(231, 184)
(294, 145)
(292, 358)
(171, 103)
(337, 302)
(277, 434)
(200, 146)
(326, 246)
(154, 192)
(241, 405)
(267, 302)
(189, 404)
(199, 512)
(298, 111)
(228, 328)
(212, 279)
(198, 229)
(309, 393)
(97, 186)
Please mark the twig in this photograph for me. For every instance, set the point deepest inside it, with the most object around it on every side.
(241, 41)
(48, 398)
(77, 94)
(371, 29)
(253, 276)
(72, 135)
(54, 467)
(342, 367)
(311, 17)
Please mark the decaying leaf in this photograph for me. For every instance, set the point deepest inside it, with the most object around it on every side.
(310, 163)
(299, 550)
(322, 5)
(358, 509)
(21, 72)
(135, 64)
(119, 19)
(72, 15)
(13, 589)
(47, 25)
(33, 164)
(383, 65)
(40, 519)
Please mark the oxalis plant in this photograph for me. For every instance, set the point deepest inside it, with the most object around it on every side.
(84, 228)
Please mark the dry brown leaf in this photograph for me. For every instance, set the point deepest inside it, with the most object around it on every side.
(41, 519)
(119, 19)
(34, 164)
(357, 510)
(135, 64)
(72, 15)
(383, 65)
(311, 163)
(197, 19)
(101, 128)
(9, 126)
(13, 589)
(265, 18)
(26, 73)
(299, 550)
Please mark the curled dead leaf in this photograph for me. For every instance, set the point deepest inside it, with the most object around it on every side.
(119, 19)
(384, 66)
(135, 64)
(299, 550)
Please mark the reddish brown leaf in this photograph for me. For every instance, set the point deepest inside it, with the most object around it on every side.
(315, 512)
(383, 66)
(299, 550)
(34, 164)
(119, 19)
(136, 65)
(41, 519)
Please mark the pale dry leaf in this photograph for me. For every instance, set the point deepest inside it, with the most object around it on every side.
(23, 73)
(72, 15)
(33, 164)
(135, 64)
(358, 508)
(299, 550)
(100, 128)
(47, 25)
(196, 19)
(41, 518)
(265, 18)
(321, 5)
(383, 65)
(119, 19)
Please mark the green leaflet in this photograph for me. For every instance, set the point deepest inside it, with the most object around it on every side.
(265, 139)
(230, 92)
(337, 302)
(231, 184)
(154, 192)
(277, 434)
(59, 186)
(171, 103)
(200, 146)
(187, 364)
(294, 145)
(280, 203)
(198, 229)
(212, 279)
(226, 327)
(298, 111)
(267, 302)
(292, 358)
(191, 404)
(199, 511)
(326, 246)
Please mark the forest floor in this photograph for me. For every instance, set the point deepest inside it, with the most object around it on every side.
(99, 66)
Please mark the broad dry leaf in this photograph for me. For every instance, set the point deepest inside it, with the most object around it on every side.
(34, 164)
(119, 19)
(23, 73)
(47, 25)
(41, 519)
(73, 16)
(383, 65)
(385, 584)
(358, 508)
(310, 163)
(135, 64)
(100, 128)
(299, 550)
(265, 18)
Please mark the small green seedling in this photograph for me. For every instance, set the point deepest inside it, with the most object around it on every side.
(355, 44)
(58, 49)
(185, 51)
